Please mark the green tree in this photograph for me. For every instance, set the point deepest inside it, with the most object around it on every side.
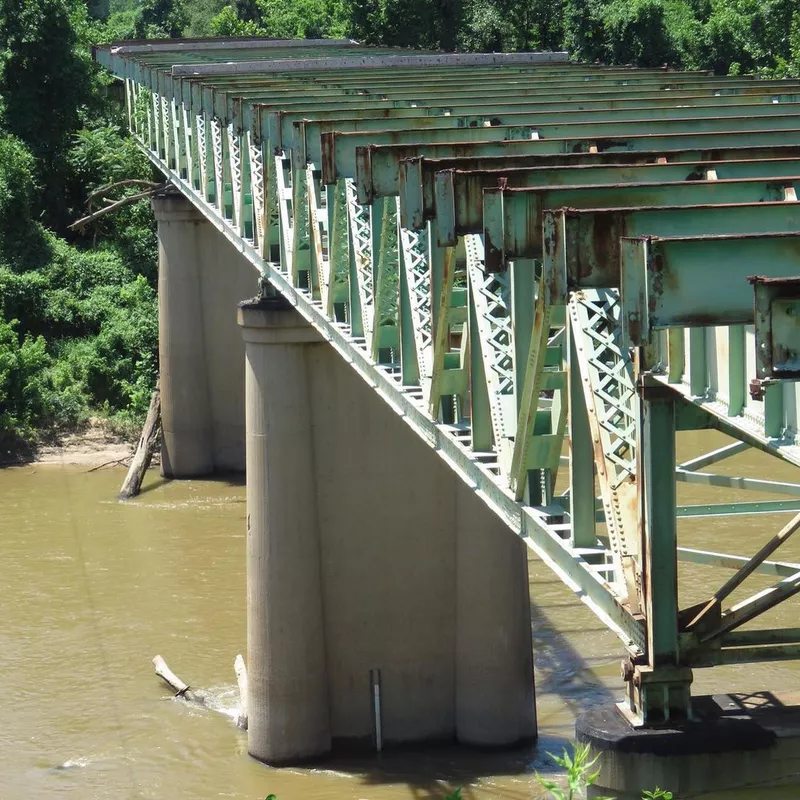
(46, 86)
(636, 33)
(584, 36)
(161, 19)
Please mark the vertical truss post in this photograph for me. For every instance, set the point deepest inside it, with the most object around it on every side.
(236, 162)
(386, 322)
(188, 144)
(361, 248)
(217, 152)
(179, 157)
(581, 455)
(491, 294)
(607, 379)
(414, 247)
(273, 218)
(675, 354)
(656, 466)
(320, 241)
(737, 363)
(258, 178)
(166, 133)
(480, 414)
(531, 353)
(129, 102)
(301, 243)
(660, 690)
(155, 139)
(441, 321)
(338, 246)
(283, 194)
(698, 372)
(409, 368)
(202, 154)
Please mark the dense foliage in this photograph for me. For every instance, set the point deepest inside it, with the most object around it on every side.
(78, 321)
(78, 331)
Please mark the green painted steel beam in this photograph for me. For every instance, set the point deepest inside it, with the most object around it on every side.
(512, 218)
(586, 242)
(418, 175)
(378, 166)
(691, 281)
(458, 195)
(232, 106)
(340, 149)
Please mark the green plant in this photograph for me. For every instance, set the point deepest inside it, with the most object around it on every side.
(579, 774)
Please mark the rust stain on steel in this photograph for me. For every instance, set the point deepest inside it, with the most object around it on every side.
(328, 144)
(607, 229)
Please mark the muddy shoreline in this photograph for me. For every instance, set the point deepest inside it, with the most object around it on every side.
(96, 445)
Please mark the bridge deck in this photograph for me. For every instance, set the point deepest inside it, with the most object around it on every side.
(490, 240)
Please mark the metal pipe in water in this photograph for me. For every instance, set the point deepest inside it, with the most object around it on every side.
(375, 692)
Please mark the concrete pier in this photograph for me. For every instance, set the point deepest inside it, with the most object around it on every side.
(495, 703)
(415, 577)
(287, 702)
(747, 742)
(201, 279)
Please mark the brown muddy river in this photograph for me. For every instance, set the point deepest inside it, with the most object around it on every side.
(92, 589)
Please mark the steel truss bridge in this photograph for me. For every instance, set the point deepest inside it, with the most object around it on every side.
(514, 252)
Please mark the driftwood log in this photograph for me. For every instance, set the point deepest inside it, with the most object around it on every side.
(180, 688)
(198, 696)
(132, 484)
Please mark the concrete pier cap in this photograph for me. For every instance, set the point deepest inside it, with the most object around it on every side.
(737, 742)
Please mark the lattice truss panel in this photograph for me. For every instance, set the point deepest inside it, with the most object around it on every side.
(360, 218)
(491, 294)
(610, 396)
(414, 246)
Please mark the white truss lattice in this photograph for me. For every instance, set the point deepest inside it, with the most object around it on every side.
(219, 164)
(166, 133)
(202, 153)
(611, 404)
(418, 279)
(491, 294)
(187, 144)
(361, 240)
(235, 161)
(319, 233)
(257, 190)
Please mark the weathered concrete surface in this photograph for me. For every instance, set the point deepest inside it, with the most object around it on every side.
(416, 577)
(746, 742)
(201, 353)
(287, 688)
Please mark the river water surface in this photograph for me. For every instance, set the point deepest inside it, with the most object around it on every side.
(93, 588)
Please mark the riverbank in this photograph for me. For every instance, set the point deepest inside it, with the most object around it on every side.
(96, 445)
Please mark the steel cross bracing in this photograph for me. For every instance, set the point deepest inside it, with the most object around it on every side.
(514, 251)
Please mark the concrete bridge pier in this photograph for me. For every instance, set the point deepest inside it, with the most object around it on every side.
(201, 278)
(365, 552)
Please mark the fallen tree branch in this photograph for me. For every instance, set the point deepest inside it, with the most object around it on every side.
(128, 182)
(198, 696)
(133, 198)
(132, 484)
(180, 688)
(108, 464)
